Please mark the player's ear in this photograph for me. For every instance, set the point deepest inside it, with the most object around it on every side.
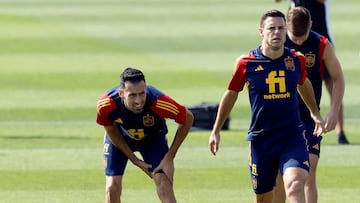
(261, 30)
(121, 93)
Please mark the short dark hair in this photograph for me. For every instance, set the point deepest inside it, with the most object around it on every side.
(132, 75)
(271, 13)
(299, 19)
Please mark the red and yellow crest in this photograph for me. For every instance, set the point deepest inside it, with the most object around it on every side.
(289, 63)
(310, 59)
(148, 120)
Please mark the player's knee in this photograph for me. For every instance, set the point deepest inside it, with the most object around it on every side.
(295, 187)
(113, 186)
(164, 187)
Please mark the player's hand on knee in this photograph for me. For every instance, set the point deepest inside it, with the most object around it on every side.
(145, 167)
(167, 166)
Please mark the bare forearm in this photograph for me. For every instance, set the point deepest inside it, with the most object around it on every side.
(118, 140)
(226, 104)
(181, 134)
(337, 94)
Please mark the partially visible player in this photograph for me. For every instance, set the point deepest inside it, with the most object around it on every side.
(319, 11)
(133, 115)
(272, 75)
(320, 57)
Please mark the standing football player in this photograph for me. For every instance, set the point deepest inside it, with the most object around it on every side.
(320, 58)
(273, 74)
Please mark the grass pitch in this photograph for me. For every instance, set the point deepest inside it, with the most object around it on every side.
(59, 56)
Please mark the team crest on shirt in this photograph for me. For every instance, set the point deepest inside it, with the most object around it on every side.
(289, 63)
(310, 59)
(148, 120)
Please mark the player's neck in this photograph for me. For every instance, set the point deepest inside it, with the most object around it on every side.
(272, 52)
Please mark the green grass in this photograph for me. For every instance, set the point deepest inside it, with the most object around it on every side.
(59, 56)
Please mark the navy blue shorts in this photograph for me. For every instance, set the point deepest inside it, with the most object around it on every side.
(312, 141)
(151, 148)
(276, 150)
